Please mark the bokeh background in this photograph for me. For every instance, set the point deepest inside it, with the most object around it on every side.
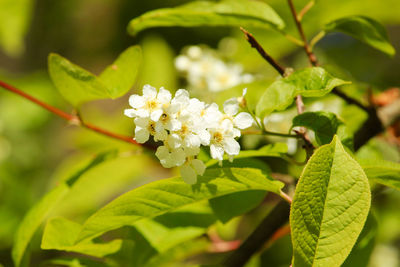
(38, 149)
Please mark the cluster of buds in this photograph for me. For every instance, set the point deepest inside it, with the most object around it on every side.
(183, 125)
(204, 70)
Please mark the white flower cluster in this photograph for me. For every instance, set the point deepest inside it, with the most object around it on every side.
(184, 124)
(203, 70)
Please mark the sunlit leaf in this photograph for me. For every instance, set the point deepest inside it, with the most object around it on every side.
(382, 171)
(206, 13)
(121, 75)
(324, 124)
(74, 83)
(329, 208)
(167, 195)
(60, 234)
(42, 209)
(309, 82)
(364, 29)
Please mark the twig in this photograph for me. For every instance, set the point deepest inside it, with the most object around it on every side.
(265, 230)
(310, 54)
(75, 120)
(305, 9)
(254, 43)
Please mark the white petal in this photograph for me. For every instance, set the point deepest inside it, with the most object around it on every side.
(174, 141)
(189, 176)
(182, 63)
(174, 125)
(226, 125)
(192, 151)
(217, 152)
(143, 113)
(142, 122)
(231, 106)
(178, 156)
(131, 113)
(141, 134)
(149, 92)
(243, 120)
(194, 52)
(244, 92)
(205, 137)
(192, 140)
(160, 135)
(231, 146)
(162, 152)
(164, 96)
(198, 166)
(156, 114)
(136, 101)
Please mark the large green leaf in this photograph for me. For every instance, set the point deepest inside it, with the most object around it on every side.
(309, 82)
(121, 75)
(75, 84)
(167, 195)
(329, 208)
(365, 29)
(40, 210)
(324, 124)
(60, 234)
(206, 13)
(382, 171)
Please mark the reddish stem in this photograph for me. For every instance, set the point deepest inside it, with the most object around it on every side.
(69, 117)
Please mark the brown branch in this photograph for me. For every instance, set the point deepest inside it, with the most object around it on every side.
(310, 54)
(264, 232)
(254, 43)
(76, 120)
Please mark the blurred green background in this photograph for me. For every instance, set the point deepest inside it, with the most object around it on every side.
(38, 149)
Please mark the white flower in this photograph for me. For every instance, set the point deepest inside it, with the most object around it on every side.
(170, 157)
(146, 127)
(223, 140)
(191, 169)
(150, 104)
(242, 120)
(183, 125)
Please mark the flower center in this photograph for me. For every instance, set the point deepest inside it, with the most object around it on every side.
(152, 128)
(164, 117)
(218, 137)
(184, 130)
(152, 104)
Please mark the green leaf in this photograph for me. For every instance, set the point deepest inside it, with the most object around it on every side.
(171, 229)
(270, 150)
(44, 207)
(167, 195)
(14, 23)
(310, 82)
(121, 75)
(362, 250)
(75, 84)
(364, 29)
(232, 205)
(324, 124)
(60, 234)
(382, 171)
(329, 208)
(206, 13)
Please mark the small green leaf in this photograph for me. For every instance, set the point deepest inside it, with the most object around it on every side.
(120, 76)
(206, 13)
(75, 84)
(167, 195)
(310, 82)
(60, 234)
(329, 208)
(324, 124)
(364, 29)
(382, 171)
(37, 214)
